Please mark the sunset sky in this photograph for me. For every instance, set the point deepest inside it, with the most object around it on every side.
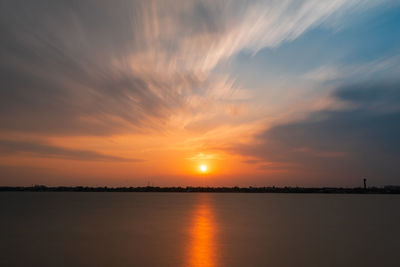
(259, 93)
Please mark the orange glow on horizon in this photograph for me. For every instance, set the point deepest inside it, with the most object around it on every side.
(162, 160)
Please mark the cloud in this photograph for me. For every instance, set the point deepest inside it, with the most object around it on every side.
(386, 67)
(343, 145)
(8, 147)
(100, 68)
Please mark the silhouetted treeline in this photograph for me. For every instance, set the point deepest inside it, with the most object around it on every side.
(323, 190)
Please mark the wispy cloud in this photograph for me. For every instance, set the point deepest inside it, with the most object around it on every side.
(100, 68)
(37, 149)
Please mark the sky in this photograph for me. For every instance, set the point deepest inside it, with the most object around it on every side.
(259, 93)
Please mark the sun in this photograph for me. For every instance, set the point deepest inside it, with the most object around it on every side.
(203, 168)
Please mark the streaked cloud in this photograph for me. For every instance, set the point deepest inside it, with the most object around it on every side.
(39, 149)
(98, 68)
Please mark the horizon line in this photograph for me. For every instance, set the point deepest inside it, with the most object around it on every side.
(387, 189)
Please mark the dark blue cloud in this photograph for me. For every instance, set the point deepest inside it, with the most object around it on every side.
(369, 94)
(341, 145)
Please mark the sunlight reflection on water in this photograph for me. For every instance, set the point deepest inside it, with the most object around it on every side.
(203, 230)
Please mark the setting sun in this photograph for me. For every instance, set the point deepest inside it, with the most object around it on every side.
(203, 168)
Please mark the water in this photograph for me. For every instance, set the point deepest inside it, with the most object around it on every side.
(198, 229)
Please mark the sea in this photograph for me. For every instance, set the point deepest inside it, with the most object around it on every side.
(198, 229)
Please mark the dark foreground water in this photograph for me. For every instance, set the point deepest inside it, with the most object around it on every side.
(198, 229)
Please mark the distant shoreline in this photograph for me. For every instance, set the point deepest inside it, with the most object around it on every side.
(190, 189)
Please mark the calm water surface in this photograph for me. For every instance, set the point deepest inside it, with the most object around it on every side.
(198, 229)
